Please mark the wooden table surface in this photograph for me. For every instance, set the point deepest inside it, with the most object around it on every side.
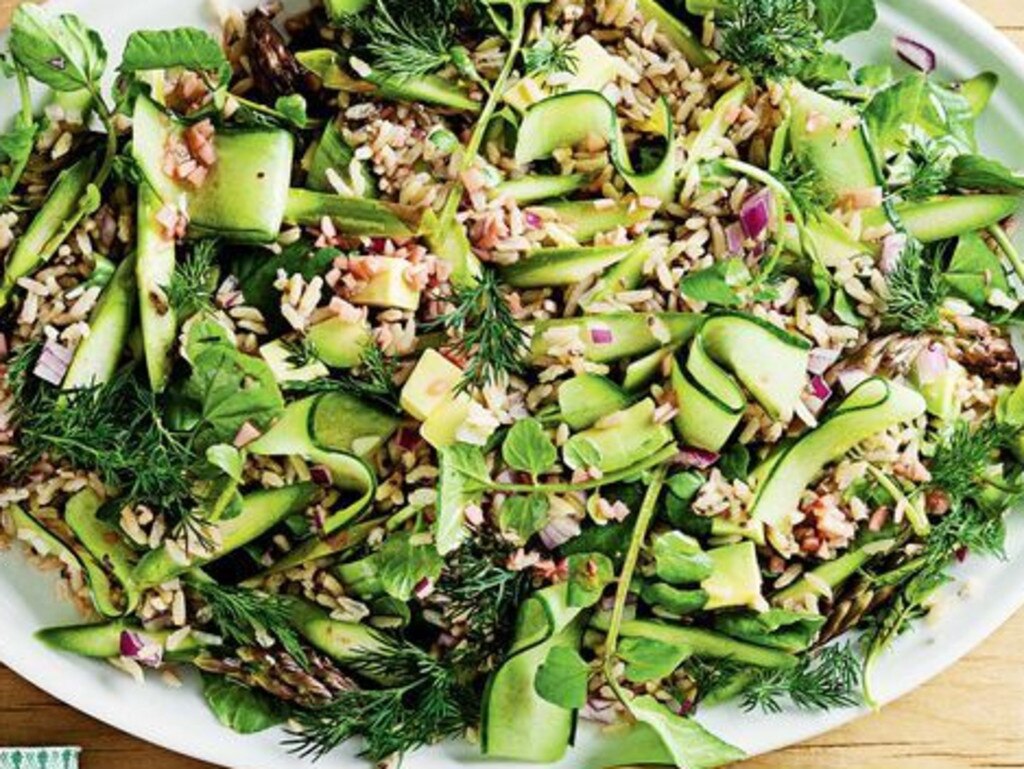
(972, 717)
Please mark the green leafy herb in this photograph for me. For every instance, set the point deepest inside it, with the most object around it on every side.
(927, 171)
(649, 660)
(242, 616)
(405, 560)
(562, 678)
(974, 172)
(293, 109)
(553, 53)
(964, 456)
(406, 39)
(184, 47)
(822, 681)
(423, 703)
(735, 462)
(718, 284)
(114, 430)
(17, 144)
(915, 292)
(680, 559)
(772, 38)
(488, 335)
(231, 388)
(240, 708)
(191, 289)
(373, 380)
(59, 51)
(589, 576)
(838, 19)
(805, 185)
(528, 448)
(521, 517)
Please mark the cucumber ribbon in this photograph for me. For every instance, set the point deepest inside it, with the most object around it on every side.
(565, 120)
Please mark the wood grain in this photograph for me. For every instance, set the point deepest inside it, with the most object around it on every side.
(972, 717)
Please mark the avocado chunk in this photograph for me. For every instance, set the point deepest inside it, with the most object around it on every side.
(562, 266)
(279, 356)
(244, 197)
(441, 428)
(612, 337)
(771, 363)
(430, 386)
(340, 343)
(584, 399)
(388, 285)
(98, 354)
(874, 406)
(620, 440)
(822, 138)
(735, 578)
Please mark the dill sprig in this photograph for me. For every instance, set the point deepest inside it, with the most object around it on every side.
(373, 380)
(406, 39)
(422, 703)
(191, 288)
(965, 454)
(551, 54)
(242, 616)
(915, 292)
(114, 430)
(805, 185)
(826, 680)
(772, 38)
(487, 334)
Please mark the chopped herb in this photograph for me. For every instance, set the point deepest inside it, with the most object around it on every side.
(191, 288)
(552, 54)
(826, 680)
(915, 291)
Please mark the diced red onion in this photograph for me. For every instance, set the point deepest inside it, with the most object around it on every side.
(423, 588)
(246, 434)
(699, 459)
(821, 360)
(321, 475)
(601, 336)
(600, 711)
(533, 220)
(378, 245)
(820, 389)
(408, 439)
(850, 378)
(559, 531)
(756, 214)
(962, 553)
(734, 238)
(917, 55)
(53, 362)
(134, 647)
(892, 251)
(932, 363)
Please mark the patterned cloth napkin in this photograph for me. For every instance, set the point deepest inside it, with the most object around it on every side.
(39, 758)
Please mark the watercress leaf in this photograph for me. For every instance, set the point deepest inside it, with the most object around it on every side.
(662, 738)
(589, 575)
(975, 272)
(974, 172)
(892, 111)
(611, 540)
(522, 517)
(581, 452)
(404, 561)
(528, 448)
(648, 660)
(562, 678)
(185, 47)
(735, 462)
(227, 458)
(15, 149)
(58, 51)
(679, 559)
(240, 708)
(469, 462)
(293, 109)
(838, 19)
(453, 497)
(825, 70)
(713, 285)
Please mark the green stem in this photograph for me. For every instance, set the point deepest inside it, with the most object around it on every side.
(1008, 248)
(915, 514)
(643, 523)
(515, 38)
(660, 458)
(110, 152)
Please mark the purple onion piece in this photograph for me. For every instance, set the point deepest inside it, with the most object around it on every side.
(559, 531)
(932, 363)
(601, 336)
(321, 475)
(892, 251)
(134, 647)
(735, 238)
(53, 362)
(917, 55)
(698, 459)
(756, 214)
(820, 389)
(821, 360)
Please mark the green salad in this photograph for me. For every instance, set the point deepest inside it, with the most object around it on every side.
(430, 369)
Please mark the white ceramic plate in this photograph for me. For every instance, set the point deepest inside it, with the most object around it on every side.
(178, 719)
